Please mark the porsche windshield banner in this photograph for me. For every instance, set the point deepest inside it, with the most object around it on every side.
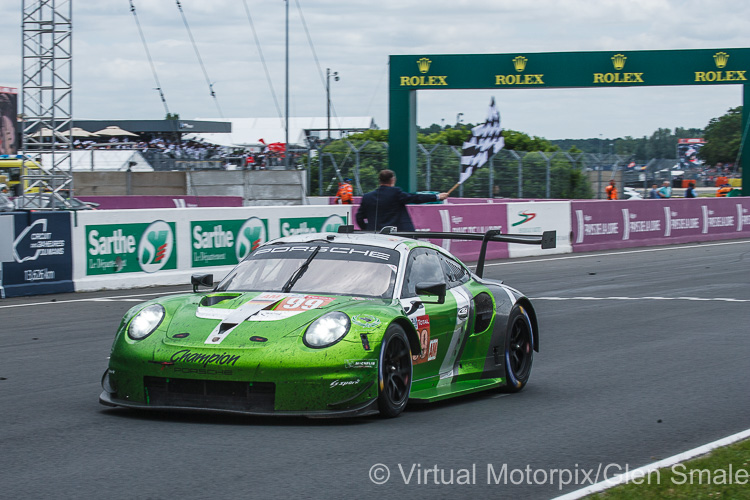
(328, 251)
(130, 248)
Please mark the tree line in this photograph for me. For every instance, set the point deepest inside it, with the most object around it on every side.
(441, 144)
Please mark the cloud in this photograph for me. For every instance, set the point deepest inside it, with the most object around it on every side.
(113, 78)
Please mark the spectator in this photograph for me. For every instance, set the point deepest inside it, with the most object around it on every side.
(723, 190)
(386, 205)
(345, 193)
(690, 191)
(611, 190)
(654, 193)
(665, 191)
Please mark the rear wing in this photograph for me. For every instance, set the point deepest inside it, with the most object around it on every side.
(548, 239)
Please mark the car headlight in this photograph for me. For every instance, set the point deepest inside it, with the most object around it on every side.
(326, 330)
(145, 322)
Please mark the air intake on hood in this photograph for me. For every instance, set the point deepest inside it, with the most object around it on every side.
(212, 300)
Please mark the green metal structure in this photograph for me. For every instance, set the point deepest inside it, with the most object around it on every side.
(409, 73)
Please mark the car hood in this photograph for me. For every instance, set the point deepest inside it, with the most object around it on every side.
(252, 319)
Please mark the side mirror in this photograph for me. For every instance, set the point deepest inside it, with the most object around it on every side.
(432, 288)
(201, 280)
(428, 288)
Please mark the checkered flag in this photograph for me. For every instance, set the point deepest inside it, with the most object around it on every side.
(486, 140)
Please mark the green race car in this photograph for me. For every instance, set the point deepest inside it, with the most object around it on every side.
(331, 324)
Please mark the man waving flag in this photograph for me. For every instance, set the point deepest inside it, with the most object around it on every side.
(486, 140)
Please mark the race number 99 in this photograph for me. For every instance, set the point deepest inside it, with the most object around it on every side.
(303, 303)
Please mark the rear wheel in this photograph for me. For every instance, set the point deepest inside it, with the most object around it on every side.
(394, 374)
(519, 350)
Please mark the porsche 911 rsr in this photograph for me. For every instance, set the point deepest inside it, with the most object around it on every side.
(331, 324)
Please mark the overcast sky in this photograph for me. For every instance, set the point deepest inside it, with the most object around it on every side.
(112, 77)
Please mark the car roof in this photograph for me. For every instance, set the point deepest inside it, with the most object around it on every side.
(359, 238)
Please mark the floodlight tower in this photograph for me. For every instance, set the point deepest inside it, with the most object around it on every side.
(46, 96)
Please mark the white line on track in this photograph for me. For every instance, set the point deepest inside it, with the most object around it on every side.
(642, 472)
(609, 254)
(701, 299)
(116, 298)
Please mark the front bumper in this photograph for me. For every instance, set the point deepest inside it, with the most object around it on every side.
(363, 409)
(338, 381)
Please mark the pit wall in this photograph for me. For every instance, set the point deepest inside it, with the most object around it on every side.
(54, 252)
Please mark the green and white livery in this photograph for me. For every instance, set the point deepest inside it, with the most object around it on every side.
(325, 324)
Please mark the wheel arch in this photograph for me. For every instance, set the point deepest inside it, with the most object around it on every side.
(526, 304)
(411, 334)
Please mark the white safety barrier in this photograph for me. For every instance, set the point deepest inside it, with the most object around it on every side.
(138, 248)
(535, 218)
(43, 252)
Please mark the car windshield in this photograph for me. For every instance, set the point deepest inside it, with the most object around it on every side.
(339, 269)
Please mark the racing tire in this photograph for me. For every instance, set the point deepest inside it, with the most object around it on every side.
(519, 350)
(394, 373)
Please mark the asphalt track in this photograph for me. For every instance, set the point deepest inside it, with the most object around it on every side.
(621, 381)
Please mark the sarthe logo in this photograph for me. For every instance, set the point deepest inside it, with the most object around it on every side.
(332, 223)
(526, 217)
(156, 246)
(251, 235)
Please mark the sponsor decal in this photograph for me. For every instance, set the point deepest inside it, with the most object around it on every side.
(594, 228)
(291, 305)
(618, 62)
(252, 234)
(36, 241)
(366, 320)
(429, 346)
(526, 216)
(519, 64)
(719, 221)
(361, 363)
(128, 248)
(351, 253)
(676, 223)
(721, 59)
(423, 65)
(267, 306)
(225, 242)
(343, 383)
(156, 246)
(631, 224)
(188, 356)
(35, 251)
(269, 297)
(202, 371)
(433, 350)
(306, 225)
(303, 303)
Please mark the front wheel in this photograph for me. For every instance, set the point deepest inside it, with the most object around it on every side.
(394, 374)
(519, 350)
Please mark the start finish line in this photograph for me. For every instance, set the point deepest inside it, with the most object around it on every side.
(643, 68)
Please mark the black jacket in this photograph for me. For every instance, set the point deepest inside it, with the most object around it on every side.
(386, 206)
